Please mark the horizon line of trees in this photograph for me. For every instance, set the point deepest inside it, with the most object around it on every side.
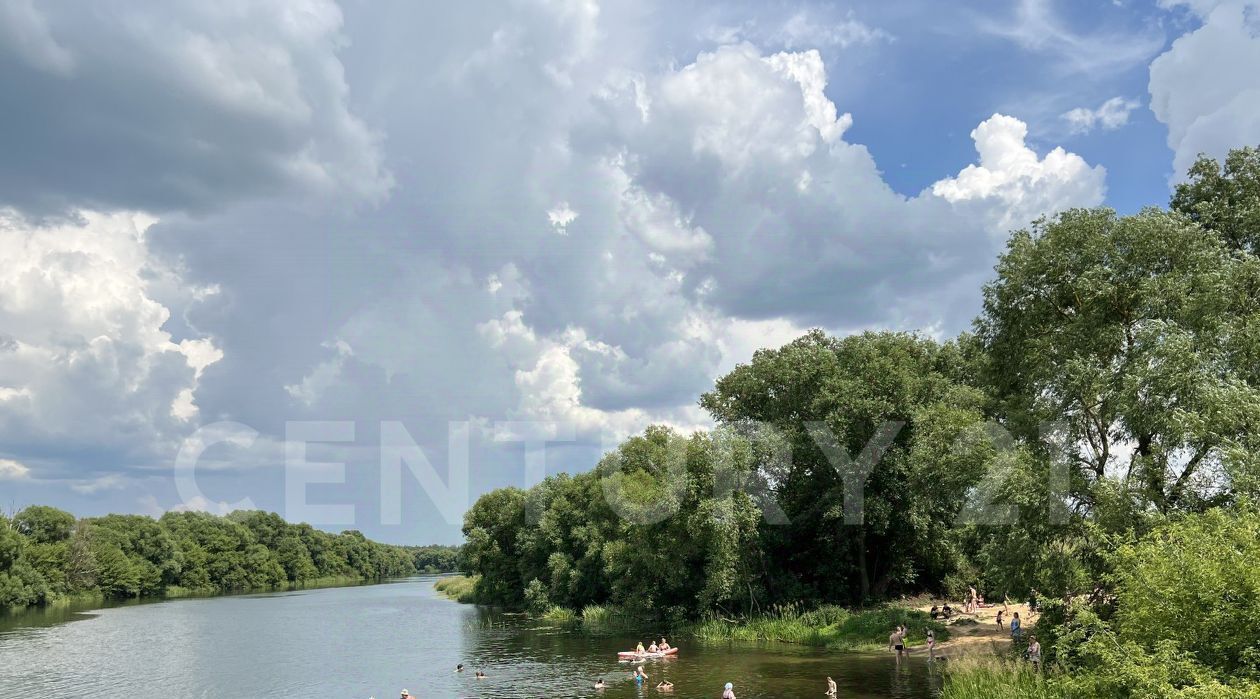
(1108, 394)
(47, 554)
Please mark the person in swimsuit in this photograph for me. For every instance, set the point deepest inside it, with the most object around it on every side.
(831, 687)
(665, 686)
(653, 648)
(729, 692)
(897, 641)
(931, 644)
(663, 645)
(639, 648)
(639, 675)
(999, 619)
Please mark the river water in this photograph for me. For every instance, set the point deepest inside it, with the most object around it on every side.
(375, 640)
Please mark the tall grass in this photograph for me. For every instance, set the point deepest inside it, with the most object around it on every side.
(559, 615)
(461, 588)
(979, 677)
(827, 626)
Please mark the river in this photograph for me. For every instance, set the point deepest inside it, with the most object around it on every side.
(375, 640)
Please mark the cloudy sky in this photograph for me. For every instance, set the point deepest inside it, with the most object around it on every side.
(485, 224)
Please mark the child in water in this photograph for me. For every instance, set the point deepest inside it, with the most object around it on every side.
(729, 692)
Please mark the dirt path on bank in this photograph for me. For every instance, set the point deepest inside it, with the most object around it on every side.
(983, 636)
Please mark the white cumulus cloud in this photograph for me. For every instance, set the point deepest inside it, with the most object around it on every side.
(86, 358)
(1206, 87)
(1015, 183)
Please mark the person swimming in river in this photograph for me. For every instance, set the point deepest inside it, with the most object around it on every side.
(831, 687)
(459, 667)
(729, 692)
(665, 686)
(639, 675)
(481, 675)
(599, 683)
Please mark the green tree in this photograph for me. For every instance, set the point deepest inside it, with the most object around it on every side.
(44, 525)
(1225, 200)
(1138, 335)
(491, 527)
(897, 392)
(1195, 585)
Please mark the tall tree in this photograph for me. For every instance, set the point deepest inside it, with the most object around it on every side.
(1225, 200)
(1138, 336)
(887, 403)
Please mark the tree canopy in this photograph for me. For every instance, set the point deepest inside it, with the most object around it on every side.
(46, 554)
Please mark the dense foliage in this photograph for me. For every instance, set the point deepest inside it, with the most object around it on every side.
(435, 558)
(45, 555)
(1095, 439)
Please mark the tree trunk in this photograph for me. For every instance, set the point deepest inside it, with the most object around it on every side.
(865, 577)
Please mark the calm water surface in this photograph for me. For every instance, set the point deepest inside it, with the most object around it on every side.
(359, 642)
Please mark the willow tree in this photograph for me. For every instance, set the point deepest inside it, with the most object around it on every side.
(1225, 199)
(1135, 338)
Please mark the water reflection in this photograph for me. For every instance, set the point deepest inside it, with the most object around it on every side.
(376, 640)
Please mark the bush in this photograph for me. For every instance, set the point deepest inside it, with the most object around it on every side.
(536, 600)
(1195, 585)
(559, 615)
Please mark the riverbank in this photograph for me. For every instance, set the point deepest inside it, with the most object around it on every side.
(458, 588)
(829, 626)
(91, 601)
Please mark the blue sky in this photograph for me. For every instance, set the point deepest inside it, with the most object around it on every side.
(536, 219)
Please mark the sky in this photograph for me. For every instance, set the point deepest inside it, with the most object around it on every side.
(361, 262)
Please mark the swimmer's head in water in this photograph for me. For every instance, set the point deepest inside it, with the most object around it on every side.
(730, 686)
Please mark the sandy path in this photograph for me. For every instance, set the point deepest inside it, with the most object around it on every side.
(984, 636)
